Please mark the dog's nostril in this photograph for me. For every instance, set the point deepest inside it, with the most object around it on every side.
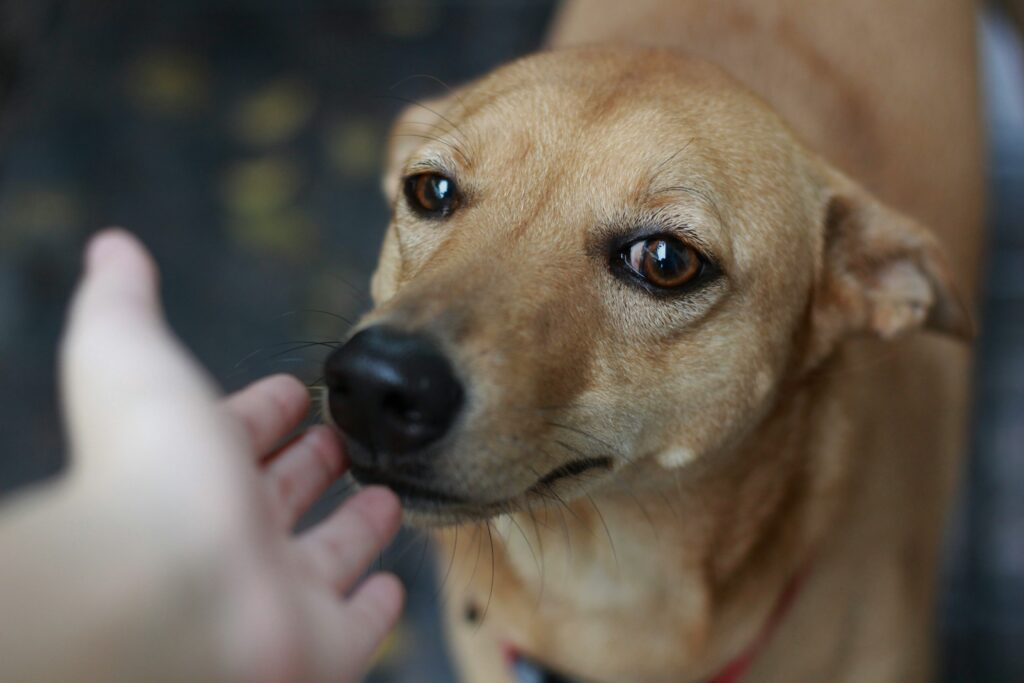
(402, 407)
(392, 391)
(336, 384)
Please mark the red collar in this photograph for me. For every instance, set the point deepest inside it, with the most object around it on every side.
(737, 668)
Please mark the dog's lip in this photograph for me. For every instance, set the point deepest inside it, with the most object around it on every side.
(414, 494)
(572, 468)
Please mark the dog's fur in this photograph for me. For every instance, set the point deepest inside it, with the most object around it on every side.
(784, 419)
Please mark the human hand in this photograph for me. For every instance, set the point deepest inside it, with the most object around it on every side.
(173, 530)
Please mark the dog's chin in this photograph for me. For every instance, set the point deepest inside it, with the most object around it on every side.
(441, 518)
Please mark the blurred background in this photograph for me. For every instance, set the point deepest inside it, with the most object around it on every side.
(242, 141)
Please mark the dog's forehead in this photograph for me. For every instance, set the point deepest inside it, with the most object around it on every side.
(636, 98)
(613, 132)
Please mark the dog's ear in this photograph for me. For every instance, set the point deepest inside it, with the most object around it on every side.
(418, 122)
(882, 273)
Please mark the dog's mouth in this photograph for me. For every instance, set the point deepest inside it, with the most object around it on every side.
(410, 492)
(417, 496)
(571, 469)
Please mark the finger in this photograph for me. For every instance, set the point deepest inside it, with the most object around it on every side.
(374, 609)
(268, 409)
(303, 471)
(341, 548)
(376, 605)
(120, 365)
(349, 634)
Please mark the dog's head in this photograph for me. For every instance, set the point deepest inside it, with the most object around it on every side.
(604, 264)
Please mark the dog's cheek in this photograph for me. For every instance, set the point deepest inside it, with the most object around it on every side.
(713, 403)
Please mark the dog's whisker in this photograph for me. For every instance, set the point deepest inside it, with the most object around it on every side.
(540, 545)
(550, 488)
(607, 531)
(547, 493)
(293, 359)
(529, 545)
(460, 101)
(453, 128)
(423, 555)
(411, 77)
(455, 143)
(409, 544)
(293, 344)
(426, 133)
(660, 167)
(451, 563)
(583, 433)
(643, 509)
(584, 455)
(573, 405)
(399, 553)
(621, 484)
(479, 546)
(568, 537)
(319, 311)
(356, 289)
(490, 590)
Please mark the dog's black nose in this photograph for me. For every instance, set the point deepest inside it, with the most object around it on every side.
(393, 392)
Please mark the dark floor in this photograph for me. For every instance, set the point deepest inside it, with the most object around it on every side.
(241, 141)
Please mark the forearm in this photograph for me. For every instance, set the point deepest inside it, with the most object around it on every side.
(83, 601)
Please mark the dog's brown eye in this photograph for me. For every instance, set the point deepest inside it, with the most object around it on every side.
(664, 262)
(431, 194)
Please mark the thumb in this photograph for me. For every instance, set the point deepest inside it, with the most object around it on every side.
(118, 357)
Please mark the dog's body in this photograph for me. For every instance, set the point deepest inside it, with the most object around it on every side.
(762, 468)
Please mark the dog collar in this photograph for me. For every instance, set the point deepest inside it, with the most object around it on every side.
(735, 670)
(525, 670)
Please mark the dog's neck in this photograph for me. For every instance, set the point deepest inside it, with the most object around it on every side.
(733, 672)
(722, 539)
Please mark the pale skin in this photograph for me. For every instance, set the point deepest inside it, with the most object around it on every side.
(166, 552)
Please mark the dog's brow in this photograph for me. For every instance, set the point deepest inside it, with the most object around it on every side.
(432, 162)
(703, 196)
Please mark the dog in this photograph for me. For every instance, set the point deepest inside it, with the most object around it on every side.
(662, 350)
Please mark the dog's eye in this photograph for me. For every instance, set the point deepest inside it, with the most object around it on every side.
(431, 194)
(662, 261)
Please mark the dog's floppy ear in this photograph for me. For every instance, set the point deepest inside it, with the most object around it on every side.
(882, 273)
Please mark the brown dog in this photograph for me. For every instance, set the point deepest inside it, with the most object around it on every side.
(622, 345)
